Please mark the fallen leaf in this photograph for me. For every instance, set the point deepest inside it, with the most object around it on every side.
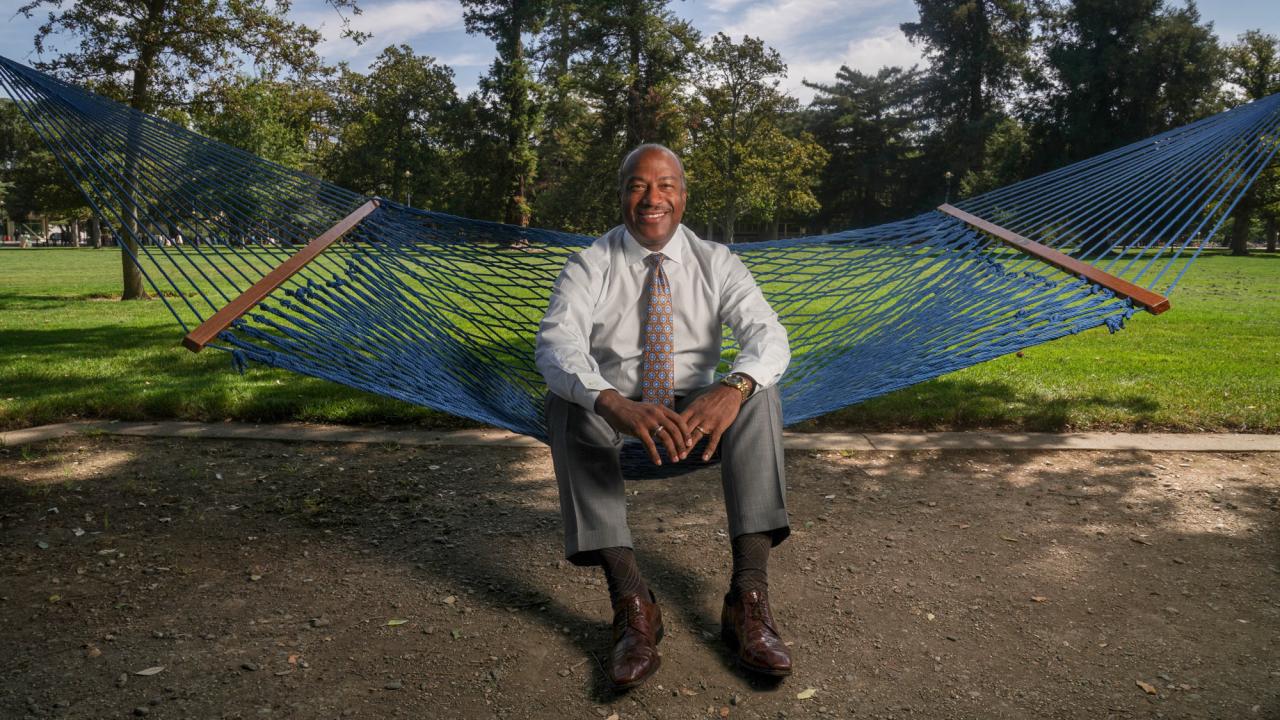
(393, 623)
(1039, 598)
(1140, 541)
(687, 692)
(806, 694)
(724, 711)
(293, 659)
(1147, 688)
(42, 545)
(457, 634)
(1006, 538)
(614, 716)
(150, 671)
(54, 598)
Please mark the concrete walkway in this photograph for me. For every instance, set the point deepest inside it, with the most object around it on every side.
(1158, 442)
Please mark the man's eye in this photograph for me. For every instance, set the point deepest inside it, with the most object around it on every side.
(636, 187)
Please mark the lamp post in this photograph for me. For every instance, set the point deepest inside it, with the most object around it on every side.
(947, 177)
(408, 192)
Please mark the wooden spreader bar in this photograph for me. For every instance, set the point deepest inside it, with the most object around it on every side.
(1153, 303)
(219, 321)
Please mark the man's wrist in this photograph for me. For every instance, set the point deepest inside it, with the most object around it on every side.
(605, 399)
(741, 382)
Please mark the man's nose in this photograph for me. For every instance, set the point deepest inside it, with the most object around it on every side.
(651, 196)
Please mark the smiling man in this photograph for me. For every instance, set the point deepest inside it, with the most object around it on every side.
(629, 346)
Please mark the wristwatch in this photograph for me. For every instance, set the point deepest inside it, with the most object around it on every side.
(739, 381)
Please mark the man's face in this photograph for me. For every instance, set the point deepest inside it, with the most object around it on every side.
(653, 198)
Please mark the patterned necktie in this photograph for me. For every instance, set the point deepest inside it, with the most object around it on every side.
(659, 386)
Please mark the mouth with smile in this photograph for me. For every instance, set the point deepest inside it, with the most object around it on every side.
(652, 215)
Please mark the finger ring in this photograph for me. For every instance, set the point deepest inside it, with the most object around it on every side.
(658, 430)
(699, 429)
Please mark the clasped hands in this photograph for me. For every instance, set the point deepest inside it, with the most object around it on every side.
(709, 415)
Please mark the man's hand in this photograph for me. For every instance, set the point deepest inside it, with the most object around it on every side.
(710, 414)
(648, 422)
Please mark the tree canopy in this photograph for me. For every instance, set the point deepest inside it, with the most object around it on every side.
(1009, 88)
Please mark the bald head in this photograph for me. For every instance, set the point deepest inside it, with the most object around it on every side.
(633, 157)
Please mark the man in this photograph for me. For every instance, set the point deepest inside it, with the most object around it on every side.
(629, 346)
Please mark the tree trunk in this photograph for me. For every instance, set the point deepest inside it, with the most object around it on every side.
(1240, 225)
(95, 232)
(1273, 230)
(771, 229)
(636, 91)
(139, 99)
(518, 150)
(75, 232)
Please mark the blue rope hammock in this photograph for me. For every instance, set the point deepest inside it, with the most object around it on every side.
(441, 310)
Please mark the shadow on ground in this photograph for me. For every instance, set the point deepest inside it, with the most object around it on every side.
(287, 580)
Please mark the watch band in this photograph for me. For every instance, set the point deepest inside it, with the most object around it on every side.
(739, 382)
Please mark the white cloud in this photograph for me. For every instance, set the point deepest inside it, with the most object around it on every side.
(779, 23)
(466, 59)
(884, 46)
(722, 6)
(389, 22)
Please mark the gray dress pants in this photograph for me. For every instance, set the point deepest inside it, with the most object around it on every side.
(593, 505)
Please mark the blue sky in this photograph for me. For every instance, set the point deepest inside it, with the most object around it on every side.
(814, 36)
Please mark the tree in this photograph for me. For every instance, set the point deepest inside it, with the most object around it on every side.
(735, 117)
(1117, 71)
(612, 76)
(156, 53)
(789, 169)
(510, 89)
(32, 181)
(1253, 63)
(275, 120)
(976, 50)
(393, 130)
(632, 56)
(874, 127)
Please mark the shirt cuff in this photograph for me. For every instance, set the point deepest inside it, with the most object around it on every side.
(588, 388)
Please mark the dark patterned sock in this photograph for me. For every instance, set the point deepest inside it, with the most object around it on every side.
(622, 573)
(750, 563)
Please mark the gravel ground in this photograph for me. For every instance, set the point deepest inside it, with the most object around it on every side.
(217, 579)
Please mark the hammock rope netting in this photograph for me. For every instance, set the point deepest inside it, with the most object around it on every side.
(442, 311)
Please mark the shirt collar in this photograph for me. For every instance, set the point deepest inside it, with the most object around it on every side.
(637, 253)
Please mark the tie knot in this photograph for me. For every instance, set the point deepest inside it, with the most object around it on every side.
(655, 259)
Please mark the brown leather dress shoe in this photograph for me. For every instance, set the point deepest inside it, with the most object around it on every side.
(747, 625)
(637, 630)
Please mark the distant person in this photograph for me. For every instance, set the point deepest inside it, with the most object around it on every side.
(629, 346)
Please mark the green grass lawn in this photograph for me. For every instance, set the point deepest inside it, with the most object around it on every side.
(69, 350)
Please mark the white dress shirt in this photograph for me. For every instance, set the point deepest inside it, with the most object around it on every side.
(591, 338)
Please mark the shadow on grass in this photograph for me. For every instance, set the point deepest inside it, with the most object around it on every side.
(140, 372)
(952, 404)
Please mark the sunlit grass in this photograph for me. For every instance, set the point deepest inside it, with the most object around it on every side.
(68, 349)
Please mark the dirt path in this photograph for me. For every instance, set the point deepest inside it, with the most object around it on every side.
(273, 579)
